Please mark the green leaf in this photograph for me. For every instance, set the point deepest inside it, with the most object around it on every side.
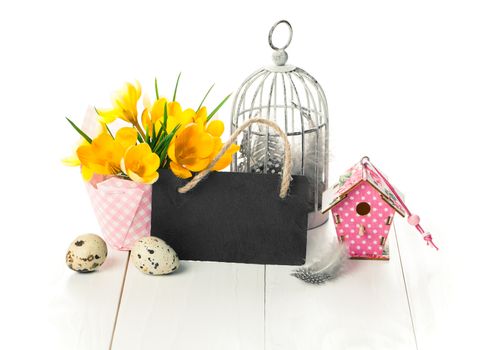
(159, 146)
(176, 86)
(204, 98)
(156, 88)
(161, 133)
(148, 139)
(165, 114)
(141, 140)
(162, 157)
(82, 134)
(218, 107)
(109, 131)
(168, 140)
(165, 119)
(158, 137)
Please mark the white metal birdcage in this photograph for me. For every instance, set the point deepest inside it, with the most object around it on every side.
(294, 100)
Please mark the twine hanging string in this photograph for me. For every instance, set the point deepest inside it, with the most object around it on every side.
(286, 171)
(426, 235)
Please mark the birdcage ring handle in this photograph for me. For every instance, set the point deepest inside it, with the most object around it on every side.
(271, 32)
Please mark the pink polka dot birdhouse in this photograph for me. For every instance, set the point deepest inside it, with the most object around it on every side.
(363, 208)
(363, 204)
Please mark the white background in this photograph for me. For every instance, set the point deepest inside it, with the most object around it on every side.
(414, 85)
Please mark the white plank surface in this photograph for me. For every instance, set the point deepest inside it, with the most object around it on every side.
(453, 292)
(202, 306)
(423, 269)
(366, 308)
(82, 308)
(44, 304)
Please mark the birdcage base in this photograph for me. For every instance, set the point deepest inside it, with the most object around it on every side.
(316, 219)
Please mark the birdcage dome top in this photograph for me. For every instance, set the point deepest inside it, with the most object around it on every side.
(274, 90)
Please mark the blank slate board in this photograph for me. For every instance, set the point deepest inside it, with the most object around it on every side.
(232, 217)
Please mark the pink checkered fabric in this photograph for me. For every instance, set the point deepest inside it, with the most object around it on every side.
(123, 209)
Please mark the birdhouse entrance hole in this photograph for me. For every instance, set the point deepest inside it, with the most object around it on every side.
(363, 208)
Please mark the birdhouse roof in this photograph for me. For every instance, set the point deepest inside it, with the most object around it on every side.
(351, 178)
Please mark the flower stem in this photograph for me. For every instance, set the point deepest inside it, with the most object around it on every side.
(139, 129)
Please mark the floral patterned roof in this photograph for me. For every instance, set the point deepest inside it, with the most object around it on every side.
(359, 173)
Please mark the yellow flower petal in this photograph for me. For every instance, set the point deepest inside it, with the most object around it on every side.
(134, 156)
(107, 115)
(158, 109)
(149, 180)
(217, 147)
(174, 108)
(215, 128)
(126, 137)
(197, 164)
(171, 123)
(180, 171)
(206, 143)
(189, 115)
(86, 173)
(171, 151)
(123, 165)
(226, 158)
(144, 180)
(108, 150)
(71, 161)
(151, 163)
(154, 115)
(134, 177)
(193, 142)
(178, 117)
(86, 154)
(201, 116)
(146, 120)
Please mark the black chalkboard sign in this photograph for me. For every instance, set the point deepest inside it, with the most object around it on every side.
(232, 217)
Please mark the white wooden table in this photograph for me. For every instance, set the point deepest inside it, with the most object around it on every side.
(208, 305)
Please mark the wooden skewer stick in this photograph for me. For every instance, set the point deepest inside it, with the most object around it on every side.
(362, 230)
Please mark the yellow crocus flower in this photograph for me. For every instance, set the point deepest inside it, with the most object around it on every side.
(154, 115)
(194, 148)
(190, 151)
(177, 116)
(124, 105)
(141, 164)
(103, 156)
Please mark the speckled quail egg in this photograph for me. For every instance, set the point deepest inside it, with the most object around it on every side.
(153, 256)
(86, 253)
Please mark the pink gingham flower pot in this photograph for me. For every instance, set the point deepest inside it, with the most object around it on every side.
(122, 208)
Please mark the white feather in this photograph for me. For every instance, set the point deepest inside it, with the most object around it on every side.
(328, 267)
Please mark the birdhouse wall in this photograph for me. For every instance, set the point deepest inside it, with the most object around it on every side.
(363, 220)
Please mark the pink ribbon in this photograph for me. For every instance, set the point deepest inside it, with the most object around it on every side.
(426, 235)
